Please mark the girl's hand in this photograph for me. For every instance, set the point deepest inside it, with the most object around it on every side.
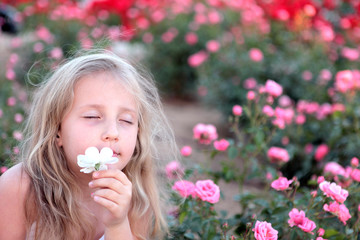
(113, 192)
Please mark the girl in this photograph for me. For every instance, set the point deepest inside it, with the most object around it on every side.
(95, 100)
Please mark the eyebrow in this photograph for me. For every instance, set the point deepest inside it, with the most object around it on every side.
(124, 109)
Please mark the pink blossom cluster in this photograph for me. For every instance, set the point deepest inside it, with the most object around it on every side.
(205, 133)
(298, 218)
(347, 80)
(264, 231)
(317, 110)
(206, 190)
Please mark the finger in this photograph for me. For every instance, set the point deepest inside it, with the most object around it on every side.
(108, 194)
(108, 204)
(110, 183)
(112, 173)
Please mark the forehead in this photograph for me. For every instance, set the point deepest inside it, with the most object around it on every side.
(104, 88)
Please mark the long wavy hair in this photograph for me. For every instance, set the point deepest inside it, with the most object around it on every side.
(57, 214)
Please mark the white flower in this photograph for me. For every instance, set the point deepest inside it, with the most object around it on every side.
(94, 161)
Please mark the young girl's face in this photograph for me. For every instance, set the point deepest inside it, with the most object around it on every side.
(103, 114)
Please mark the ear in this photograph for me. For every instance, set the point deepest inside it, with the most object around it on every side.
(59, 138)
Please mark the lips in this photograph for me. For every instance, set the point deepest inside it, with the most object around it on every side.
(115, 154)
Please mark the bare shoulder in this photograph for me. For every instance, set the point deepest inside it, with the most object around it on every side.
(14, 185)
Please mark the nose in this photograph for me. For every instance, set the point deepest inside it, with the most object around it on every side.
(111, 132)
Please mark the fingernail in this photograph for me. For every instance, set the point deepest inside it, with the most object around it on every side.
(96, 174)
(91, 184)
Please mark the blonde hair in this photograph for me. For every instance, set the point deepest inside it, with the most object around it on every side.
(58, 214)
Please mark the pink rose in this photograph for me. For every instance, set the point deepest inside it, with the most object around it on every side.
(251, 95)
(250, 83)
(350, 53)
(280, 184)
(355, 162)
(264, 231)
(213, 46)
(237, 110)
(307, 225)
(276, 154)
(184, 188)
(205, 133)
(207, 191)
(186, 151)
(345, 81)
(221, 145)
(174, 170)
(321, 232)
(273, 88)
(334, 169)
(321, 152)
(197, 59)
(339, 210)
(296, 217)
(268, 110)
(256, 55)
(191, 38)
(334, 191)
(355, 174)
(320, 179)
(3, 169)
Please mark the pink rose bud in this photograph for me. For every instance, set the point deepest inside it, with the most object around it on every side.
(213, 46)
(251, 95)
(186, 151)
(198, 58)
(321, 152)
(320, 179)
(256, 55)
(3, 169)
(237, 110)
(355, 162)
(269, 176)
(313, 193)
(273, 88)
(321, 232)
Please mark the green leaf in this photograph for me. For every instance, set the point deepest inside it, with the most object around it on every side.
(182, 217)
(189, 235)
(232, 152)
(330, 232)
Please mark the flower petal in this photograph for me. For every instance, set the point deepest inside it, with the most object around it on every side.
(112, 160)
(92, 151)
(103, 167)
(87, 170)
(106, 153)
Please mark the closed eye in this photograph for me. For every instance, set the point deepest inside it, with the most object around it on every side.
(126, 121)
(92, 117)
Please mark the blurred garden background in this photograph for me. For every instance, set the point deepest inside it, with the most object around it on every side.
(273, 84)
